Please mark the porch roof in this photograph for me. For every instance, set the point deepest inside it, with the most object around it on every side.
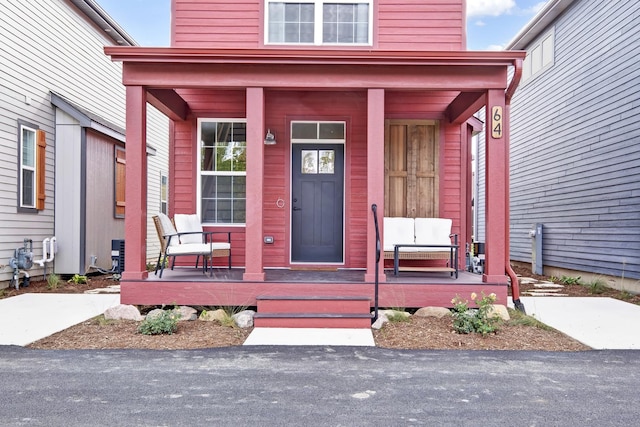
(161, 70)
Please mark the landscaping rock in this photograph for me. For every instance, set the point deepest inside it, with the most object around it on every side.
(499, 310)
(382, 319)
(213, 316)
(123, 312)
(244, 319)
(154, 313)
(437, 312)
(186, 313)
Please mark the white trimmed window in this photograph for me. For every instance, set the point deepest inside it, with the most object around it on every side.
(27, 167)
(31, 179)
(164, 193)
(540, 56)
(222, 170)
(319, 22)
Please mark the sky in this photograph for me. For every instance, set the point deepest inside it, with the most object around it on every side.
(491, 24)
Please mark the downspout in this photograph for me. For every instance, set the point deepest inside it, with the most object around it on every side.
(515, 285)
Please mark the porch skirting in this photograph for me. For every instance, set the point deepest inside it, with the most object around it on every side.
(227, 289)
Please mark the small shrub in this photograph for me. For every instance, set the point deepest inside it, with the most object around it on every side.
(164, 323)
(466, 320)
(568, 280)
(596, 286)
(53, 280)
(78, 279)
(625, 295)
(398, 316)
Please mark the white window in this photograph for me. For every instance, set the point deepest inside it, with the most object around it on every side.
(164, 193)
(223, 171)
(27, 167)
(540, 56)
(319, 22)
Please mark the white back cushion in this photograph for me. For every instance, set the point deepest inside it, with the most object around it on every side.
(168, 228)
(433, 231)
(397, 231)
(188, 223)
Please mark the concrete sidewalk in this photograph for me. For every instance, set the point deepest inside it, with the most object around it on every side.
(29, 317)
(600, 323)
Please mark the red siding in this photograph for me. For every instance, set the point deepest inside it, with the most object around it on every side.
(281, 108)
(216, 23)
(420, 25)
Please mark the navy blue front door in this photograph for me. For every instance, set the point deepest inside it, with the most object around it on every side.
(317, 200)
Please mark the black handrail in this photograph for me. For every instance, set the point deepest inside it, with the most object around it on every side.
(374, 209)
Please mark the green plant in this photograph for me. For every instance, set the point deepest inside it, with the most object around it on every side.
(519, 318)
(596, 286)
(53, 280)
(625, 295)
(164, 323)
(78, 279)
(568, 280)
(398, 315)
(480, 320)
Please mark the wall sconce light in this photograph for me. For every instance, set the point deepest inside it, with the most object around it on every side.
(269, 138)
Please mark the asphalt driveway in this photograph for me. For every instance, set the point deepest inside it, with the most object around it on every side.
(337, 386)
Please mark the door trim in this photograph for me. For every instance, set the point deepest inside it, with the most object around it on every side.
(344, 189)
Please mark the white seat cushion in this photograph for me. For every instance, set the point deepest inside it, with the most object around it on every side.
(189, 249)
(220, 245)
(433, 231)
(398, 231)
(188, 223)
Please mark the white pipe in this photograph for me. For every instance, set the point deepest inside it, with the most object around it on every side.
(44, 259)
(52, 249)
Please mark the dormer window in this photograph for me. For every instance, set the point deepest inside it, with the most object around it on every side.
(319, 22)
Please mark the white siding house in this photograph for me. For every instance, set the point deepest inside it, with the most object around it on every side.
(58, 87)
(575, 139)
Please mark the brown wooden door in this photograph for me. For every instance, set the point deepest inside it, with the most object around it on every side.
(411, 166)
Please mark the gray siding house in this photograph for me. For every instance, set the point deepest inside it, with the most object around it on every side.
(575, 139)
(62, 138)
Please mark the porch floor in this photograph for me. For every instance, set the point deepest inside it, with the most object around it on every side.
(189, 286)
(190, 274)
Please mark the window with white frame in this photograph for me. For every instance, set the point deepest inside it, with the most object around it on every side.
(223, 170)
(164, 193)
(540, 56)
(27, 166)
(319, 22)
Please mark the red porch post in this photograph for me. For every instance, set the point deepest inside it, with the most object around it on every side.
(135, 218)
(255, 180)
(375, 177)
(496, 188)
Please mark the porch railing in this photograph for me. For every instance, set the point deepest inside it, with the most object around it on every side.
(374, 209)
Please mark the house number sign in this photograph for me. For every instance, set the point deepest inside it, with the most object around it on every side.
(496, 122)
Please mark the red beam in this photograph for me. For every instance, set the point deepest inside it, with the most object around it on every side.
(169, 103)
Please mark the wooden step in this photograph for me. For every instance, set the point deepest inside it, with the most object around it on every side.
(312, 312)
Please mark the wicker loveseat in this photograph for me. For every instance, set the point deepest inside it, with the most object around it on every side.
(420, 239)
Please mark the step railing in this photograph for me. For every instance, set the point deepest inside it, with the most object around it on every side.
(374, 209)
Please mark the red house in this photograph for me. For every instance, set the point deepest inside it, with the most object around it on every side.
(368, 102)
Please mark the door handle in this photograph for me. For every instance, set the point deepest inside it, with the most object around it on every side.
(297, 209)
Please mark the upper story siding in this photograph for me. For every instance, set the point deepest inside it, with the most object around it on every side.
(419, 25)
(575, 156)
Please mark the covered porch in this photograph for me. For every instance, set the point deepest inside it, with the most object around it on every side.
(224, 287)
(381, 86)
